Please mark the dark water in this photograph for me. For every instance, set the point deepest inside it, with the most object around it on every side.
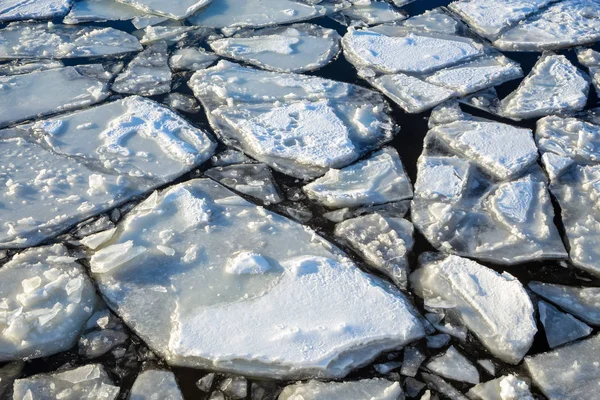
(409, 144)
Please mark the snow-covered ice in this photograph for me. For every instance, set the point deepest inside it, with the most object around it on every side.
(13, 10)
(255, 180)
(148, 74)
(36, 94)
(378, 179)
(583, 302)
(591, 59)
(553, 86)
(372, 12)
(155, 385)
(26, 66)
(508, 387)
(453, 365)
(191, 59)
(560, 327)
(373, 389)
(170, 33)
(46, 299)
(39, 40)
(179, 9)
(495, 307)
(196, 260)
(294, 48)
(299, 125)
(99, 11)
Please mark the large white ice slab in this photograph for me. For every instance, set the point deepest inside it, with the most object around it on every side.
(495, 307)
(295, 48)
(564, 24)
(300, 125)
(372, 389)
(46, 92)
(46, 299)
(38, 40)
(155, 385)
(175, 9)
(209, 280)
(553, 86)
(148, 74)
(99, 11)
(583, 302)
(13, 10)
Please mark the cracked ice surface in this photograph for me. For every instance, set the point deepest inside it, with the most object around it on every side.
(453, 365)
(46, 92)
(155, 385)
(571, 155)
(82, 166)
(373, 389)
(254, 285)
(553, 86)
(99, 11)
(583, 302)
(175, 9)
(148, 74)
(12, 10)
(46, 298)
(295, 48)
(299, 125)
(191, 59)
(372, 12)
(254, 180)
(480, 193)
(560, 327)
(496, 308)
(591, 59)
(39, 40)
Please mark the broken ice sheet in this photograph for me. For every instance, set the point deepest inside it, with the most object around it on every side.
(372, 12)
(299, 125)
(46, 298)
(90, 161)
(182, 102)
(39, 40)
(148, 74)
(13, 10)
(561, 328)
(191, 59)
(100, 11)
(255, 180)
(254, 13)
(569, 372)
(18, 67)
(179, 9)
(170, 33)
(583, 302)
(294, 48)
(562, 24)
(480, 193)
(375, 389)
(89, 382)
(453, 365)
(571, 156)
(553, 86)
(164, 272)
(155, 384)
(383, 242)
(591, 59)
(508, 387)
(495, 307)
(46, 92)
(378, 179)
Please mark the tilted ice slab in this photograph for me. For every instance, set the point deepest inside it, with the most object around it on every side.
(583, 302)
(560, 327)
(384, 243)
(553, 86)
(480, 193)
(195, 261)
(489, 19)
(453, 365)
(295, 48)
(372, 12)
(38, 40)
(496, 308)
(178, 9)
(155, 384)
(255, 13)
(570, 372)
(46, 299)
(88, 162)
(508, 387)
(563, 24)
(46, 92)
(373, 389)
(376, 180)
(570, 150)
(254, 180)
(100, 11)
(148, 74)
(13, 10)
(191, 59)
(392, 49)
(299, 125)
(90, 382)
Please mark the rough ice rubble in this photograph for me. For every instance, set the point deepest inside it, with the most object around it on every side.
(373, 389)
(294, 48)
(191, 59)
(258, 289)
(39, 40)
(155, 384)
(508, 387)
(495, 307)
(553, 86)
(254, 180)
(453, 365)
(99, 11)
(102, 332)
(583, 302)
(570, 372)
(561, 328)
(297, 124)
(480, 193)
(12, 10)
(384, 243)
(90, 382)
(148, 74)
(82, 166)
(46, 92)
(571, 156)
(46, 298)
(179, 9)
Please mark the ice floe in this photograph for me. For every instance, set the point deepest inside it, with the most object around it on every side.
(191, 59)
(39, 40)
(294, 48)
(13, 10)
(412, 361)
(99, 11)
(495, 307)
(155, 384)
(371, 12)
(591, 59)
(297, 124)
(196, 260)
(480, 193)
(374, 389)
(560, 327)
(508, 387)
(583, 302)
(182, 102)
(179, 9)
(254, 180)
(148, 74)
(453, 365)
(102, 333)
